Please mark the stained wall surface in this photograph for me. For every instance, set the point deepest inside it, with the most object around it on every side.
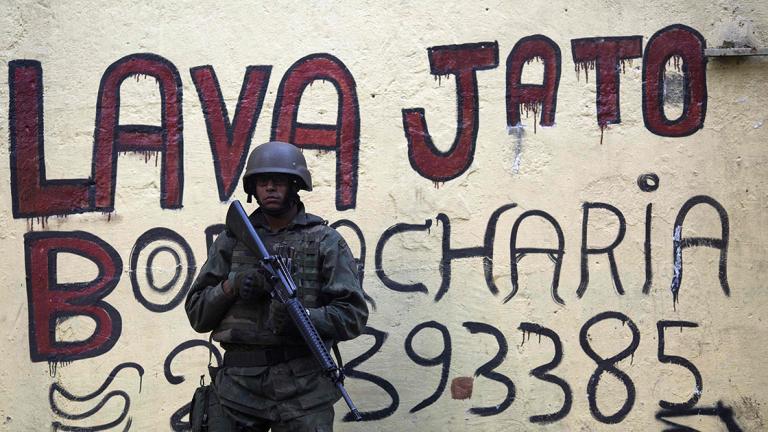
(559, 207)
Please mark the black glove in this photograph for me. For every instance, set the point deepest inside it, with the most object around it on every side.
(278, 320)
(250, 284)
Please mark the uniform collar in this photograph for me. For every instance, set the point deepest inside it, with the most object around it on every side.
(302, 218)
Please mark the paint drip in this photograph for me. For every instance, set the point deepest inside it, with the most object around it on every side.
(39, 220)
(624, 63)
(677, 62)
(585, 66)
(534, 59)
(54, 365)
(139, 76)
(148, 155)
(439, 79)
(527, 336)
(603, 127)
(532, 107)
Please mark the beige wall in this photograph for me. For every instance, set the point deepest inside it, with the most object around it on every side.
(560, 170)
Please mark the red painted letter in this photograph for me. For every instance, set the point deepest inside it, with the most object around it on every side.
(230, 140)
(33, 195)
(687, 44)
(343, 137)
(607, 53)
(463, 61)
(111, 137)
(531, 95)
(50, 301)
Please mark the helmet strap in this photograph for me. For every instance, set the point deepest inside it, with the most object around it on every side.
(293, 195)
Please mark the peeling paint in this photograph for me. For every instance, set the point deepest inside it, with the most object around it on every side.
(518, 131)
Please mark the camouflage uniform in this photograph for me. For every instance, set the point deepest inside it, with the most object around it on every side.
(289, 394)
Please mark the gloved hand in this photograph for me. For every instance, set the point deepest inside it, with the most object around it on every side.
(249, 284)
(278, 320)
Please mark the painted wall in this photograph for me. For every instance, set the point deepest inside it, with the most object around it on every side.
(559, 206)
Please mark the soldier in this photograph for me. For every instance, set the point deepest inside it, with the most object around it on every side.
(269, 379)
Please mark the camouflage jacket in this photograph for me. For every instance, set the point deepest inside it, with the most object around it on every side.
(324, 270)
(328, 286)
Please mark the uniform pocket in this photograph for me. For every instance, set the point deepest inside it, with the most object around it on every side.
(198, 409)
(304, 366)
(320, 395)
(313, 386)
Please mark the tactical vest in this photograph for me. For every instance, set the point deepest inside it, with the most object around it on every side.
(245, 322)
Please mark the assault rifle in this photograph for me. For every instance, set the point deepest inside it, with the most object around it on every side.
(285, 292)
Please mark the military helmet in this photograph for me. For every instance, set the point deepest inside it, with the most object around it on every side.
(278, 157)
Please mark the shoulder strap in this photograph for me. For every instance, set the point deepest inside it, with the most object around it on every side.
(339, 361)
(212, 370)
(210, 351)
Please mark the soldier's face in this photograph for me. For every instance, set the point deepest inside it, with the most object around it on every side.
(272, 191)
